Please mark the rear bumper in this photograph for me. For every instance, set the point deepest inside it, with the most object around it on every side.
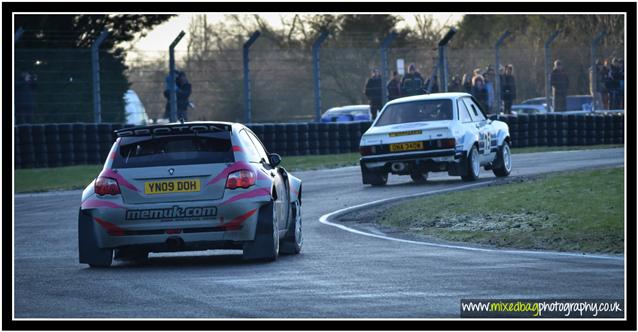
(407, 156)
(232, 223)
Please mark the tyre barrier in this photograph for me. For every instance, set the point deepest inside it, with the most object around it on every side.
(65, 144)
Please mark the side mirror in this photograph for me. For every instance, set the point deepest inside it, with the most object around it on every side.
(274, 159)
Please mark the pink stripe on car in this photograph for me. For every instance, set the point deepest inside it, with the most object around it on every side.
(253, 193)
(96, 203)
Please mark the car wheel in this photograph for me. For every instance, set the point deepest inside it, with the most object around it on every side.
(266, 243)
(293, 241)
(89, 252)
(503, 160)
(419, 176)
(473, 165)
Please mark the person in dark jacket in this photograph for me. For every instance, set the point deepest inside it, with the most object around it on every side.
(412, 83)
(479, 91)
(24, 98)
(508, 88)
(455, 84)
(560, 83)
(432, 85)
(183, 91)
(617, 77)
(394, 86)
(373, 92)
(467, 83)
(601, 94)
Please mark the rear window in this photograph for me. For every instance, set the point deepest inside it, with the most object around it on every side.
(174, 150)
(416, 111)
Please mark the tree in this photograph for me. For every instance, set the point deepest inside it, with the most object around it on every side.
(57, 49)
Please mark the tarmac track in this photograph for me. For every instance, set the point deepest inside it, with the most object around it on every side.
(339, 274)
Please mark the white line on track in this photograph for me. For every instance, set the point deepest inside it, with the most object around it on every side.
(324, 219)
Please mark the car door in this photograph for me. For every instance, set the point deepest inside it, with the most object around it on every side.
(466, 121)
(279, 175)
(487, 135)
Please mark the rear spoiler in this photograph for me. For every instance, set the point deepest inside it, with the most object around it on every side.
(173, 129)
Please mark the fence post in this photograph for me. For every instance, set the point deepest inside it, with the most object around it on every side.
(316, 74)
(172, 87)
(18, 35)
(384, 64)
(548, 69)
(443, 58)
(247, 99)
(95, 70)
(594, 69)
(497, 64)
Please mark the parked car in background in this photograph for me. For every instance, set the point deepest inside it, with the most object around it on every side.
(134, 110)
(574, 103)
(528, 109)
(347, 114)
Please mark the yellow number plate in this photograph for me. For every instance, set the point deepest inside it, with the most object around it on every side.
(171, 186)
(406, 146)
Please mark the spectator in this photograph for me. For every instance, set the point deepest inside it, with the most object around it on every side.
(479, 91)
(24, 99)
(182, 91)
(490, 79)
(467, 83)
(560, 83)
(412, 83)
(394, 86)
(455, 84)
(616, 93)
(432, 84)
(373, 92)
(508, 88)
(601, 95)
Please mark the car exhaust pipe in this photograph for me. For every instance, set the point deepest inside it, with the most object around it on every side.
(398, 167)
(174, 242)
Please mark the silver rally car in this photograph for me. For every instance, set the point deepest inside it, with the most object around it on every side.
(433, 133)
(190, 186)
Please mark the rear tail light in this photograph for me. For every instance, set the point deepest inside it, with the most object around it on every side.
(106, 186)
(241, 179)
(367, 150)
(449, 143)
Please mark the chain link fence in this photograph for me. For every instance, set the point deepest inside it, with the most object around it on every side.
(281, 80)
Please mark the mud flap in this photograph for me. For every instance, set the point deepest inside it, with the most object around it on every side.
(262, 247)
(89, 252)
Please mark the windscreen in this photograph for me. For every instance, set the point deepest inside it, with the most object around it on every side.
(174, 150)
(416, 111)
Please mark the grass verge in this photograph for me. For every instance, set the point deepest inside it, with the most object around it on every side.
(76, 177)
(578, 211)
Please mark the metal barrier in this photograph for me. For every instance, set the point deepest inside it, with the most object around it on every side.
(65, 144)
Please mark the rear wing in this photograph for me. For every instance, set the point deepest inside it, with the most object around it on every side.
(174, 129)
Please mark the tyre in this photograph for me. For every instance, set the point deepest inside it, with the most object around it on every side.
(503, 161)
(472, 165)
(266, 243)
(89, 252)
(419, 176)
(293, 241)
(374, 178)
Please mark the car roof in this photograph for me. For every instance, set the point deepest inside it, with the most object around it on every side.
(431, 96)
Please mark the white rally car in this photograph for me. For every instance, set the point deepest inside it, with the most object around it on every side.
(433, 133)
